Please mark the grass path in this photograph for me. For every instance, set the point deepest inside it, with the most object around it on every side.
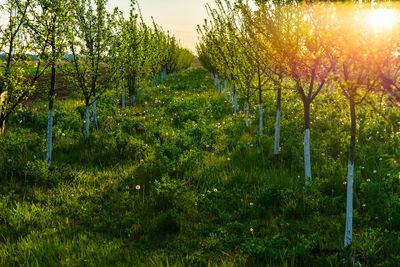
(177, 180)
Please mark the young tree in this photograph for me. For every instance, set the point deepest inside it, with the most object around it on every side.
(88, 43)
(298, 50)
(357, 77)
(50, 22)
(16, 80)
(274, 72)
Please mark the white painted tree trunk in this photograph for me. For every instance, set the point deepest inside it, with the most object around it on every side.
(230, 95)
(307, 157)
(87, 121)
(247, 113)
(123, 94)
(225, 89)
(277, 132)
(96, 126)
(3, 101)
(261, 120)
(49, 137)
(349, 206)
(235, 106)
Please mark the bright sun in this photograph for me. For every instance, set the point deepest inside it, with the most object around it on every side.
(382, 19)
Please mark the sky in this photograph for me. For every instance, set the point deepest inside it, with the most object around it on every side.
(179, 17)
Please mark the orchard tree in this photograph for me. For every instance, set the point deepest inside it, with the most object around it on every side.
(357, 76)
(16, 78)
(88, 43)
(51, 20)
(297, 49)
(274, 72)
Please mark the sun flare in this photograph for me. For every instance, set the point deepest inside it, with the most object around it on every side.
(382, 19)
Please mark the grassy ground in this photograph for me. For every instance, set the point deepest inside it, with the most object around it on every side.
(177, 180)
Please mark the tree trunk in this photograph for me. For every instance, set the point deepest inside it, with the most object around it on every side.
(132, 89)
(235, 105)
(132, 100)
(225, 89)
(230, 94)
(307, 156)
(278, 121)
(87, 120)
(350, 178)
(3, 113)
(50, 115)
(95, 124)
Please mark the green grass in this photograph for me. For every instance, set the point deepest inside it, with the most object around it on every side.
(211, 191)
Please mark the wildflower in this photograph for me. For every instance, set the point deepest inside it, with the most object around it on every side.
(344, 182)
(374, 171)
(368, 180)
(229, 159)
(323, 154)
(215, 190)
(251, 230)
(380, 158)
(195, 203)
(364, 205)
(127, 187)
(138, 187)
(9, 160)
(63, 134)
(251, 204)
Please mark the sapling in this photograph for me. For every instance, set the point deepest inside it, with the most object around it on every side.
(88, 42)
(50, 23)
